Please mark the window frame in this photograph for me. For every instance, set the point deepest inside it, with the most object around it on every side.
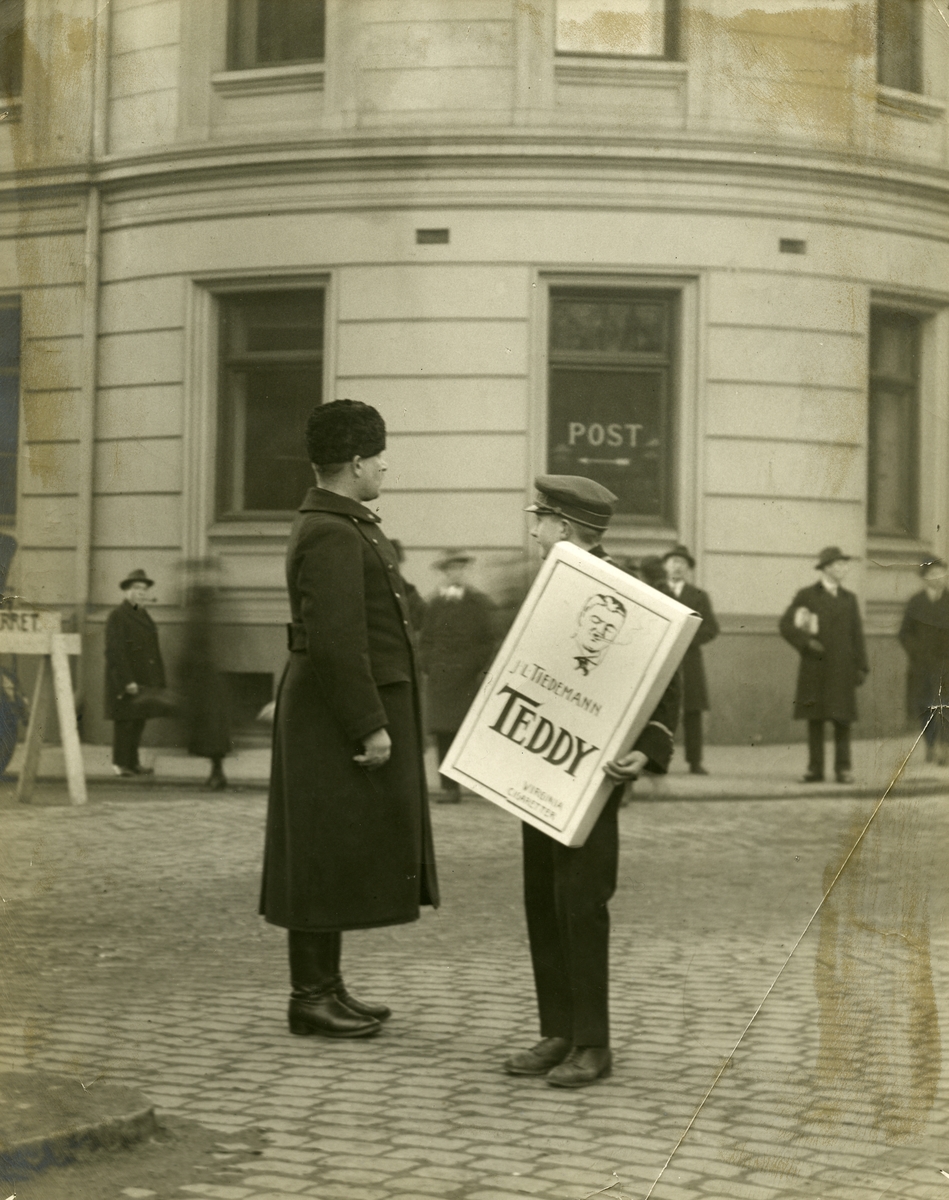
(914, 83)
(17, 57)
(233, 54)
(914, 501)
(671, 41)
(14, 302)
(222, 455)
(675, 501)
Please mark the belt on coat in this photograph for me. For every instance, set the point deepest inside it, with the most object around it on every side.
(296, 637)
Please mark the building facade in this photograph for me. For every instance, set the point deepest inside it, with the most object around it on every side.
(696, 249)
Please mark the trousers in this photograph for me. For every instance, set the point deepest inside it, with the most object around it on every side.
(815, 745)
(566, 892)
(126, 736)
(692, 730)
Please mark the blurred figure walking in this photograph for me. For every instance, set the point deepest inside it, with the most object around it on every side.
(823, 624)
(206, 704)
(678, 563)
(924, 635)
(455, 648)
(133, 669)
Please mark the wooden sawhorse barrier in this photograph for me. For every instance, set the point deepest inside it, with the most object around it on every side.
(40, 633)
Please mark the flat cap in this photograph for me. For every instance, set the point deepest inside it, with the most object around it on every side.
(574, 497)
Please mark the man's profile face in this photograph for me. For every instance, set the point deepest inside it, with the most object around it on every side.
(371, 474)
(676, 568)
(547, 531)
(596, 628)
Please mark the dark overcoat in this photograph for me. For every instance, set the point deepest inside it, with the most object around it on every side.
(456, 645)
(132, 655)
(828, 676)
(924, 635)
(346, 848)
(694, 687)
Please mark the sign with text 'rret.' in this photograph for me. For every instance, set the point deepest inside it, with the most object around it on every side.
(574, 684)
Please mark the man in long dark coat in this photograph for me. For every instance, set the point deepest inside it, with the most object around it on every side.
(823, 624)
(348, 843)
(456, 646)
(924, 635)
(567, 888)
(132, 662)
(678, 562)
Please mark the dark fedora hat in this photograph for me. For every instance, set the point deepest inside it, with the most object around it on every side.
(136, 576)
(453, 556)
(679, 551)
(831, 554)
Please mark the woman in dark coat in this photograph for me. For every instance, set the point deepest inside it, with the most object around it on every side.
(456, 646)
(348, 842)
(132, 662)
(924, 635)
(823, 624)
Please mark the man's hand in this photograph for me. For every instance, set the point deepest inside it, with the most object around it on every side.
(626, 768)
(132, 689)
(376, 749)
(815, 647)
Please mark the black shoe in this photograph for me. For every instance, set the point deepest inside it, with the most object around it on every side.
(540, 1058)
(844, 777)
(321, 1012)
(812, 777)
(140, 770)
(378, 1012)
(582, 1066)
(216, 783)
(697, 769)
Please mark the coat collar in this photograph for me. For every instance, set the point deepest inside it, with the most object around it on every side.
(320, 500)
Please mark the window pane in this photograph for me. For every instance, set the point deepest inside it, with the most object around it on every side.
(266, 33)
(9, 336)
(7, 485)
(11, 48)
(899, 44)
(9, 405)
(608, 326)
(9, 412)
(277, 471)
(631, 27)
(276, 321)
(892, 478)
(610, 425)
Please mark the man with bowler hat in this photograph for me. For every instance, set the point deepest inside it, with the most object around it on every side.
(132, 662)
(823, 625)
(348, 839)
(678, 563)
(567, 889)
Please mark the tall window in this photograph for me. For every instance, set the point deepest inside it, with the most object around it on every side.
(273, 33)
(900, 44)
(610, 394)
(9, 405)
(11, 48)
(271, 378)
(893, 476)
(630, 28)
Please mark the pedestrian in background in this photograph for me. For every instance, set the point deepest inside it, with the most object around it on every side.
(416, 603)
(823, 624)
(678, 563)
(133, 671)
(924, 635)
(348, 841)
(456, 646)
(205, 699)
(651, 571)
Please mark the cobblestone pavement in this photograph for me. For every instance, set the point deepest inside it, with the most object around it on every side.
(131, 951)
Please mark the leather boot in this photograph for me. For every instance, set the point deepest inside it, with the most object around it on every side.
(364, 1008)
(319, 1011)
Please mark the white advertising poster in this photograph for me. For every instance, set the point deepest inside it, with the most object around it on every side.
(572, 687)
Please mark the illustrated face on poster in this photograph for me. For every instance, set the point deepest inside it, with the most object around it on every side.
(598, 625)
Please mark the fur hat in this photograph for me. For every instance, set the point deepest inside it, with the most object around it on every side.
(339, 431)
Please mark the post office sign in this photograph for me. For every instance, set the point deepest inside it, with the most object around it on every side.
(575, 682)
